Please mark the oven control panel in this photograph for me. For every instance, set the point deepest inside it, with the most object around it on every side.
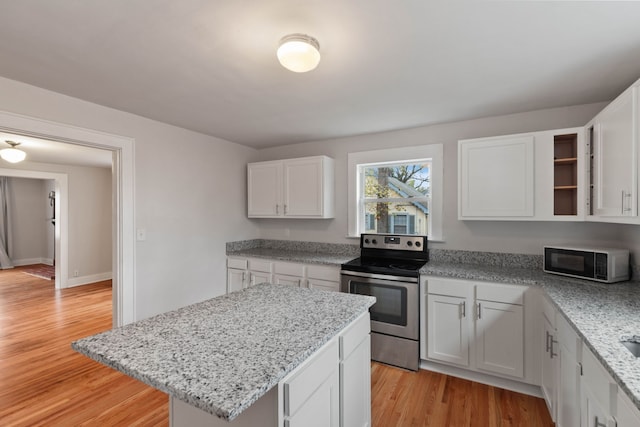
(394, 242)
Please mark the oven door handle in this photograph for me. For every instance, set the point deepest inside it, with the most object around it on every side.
(347, 273)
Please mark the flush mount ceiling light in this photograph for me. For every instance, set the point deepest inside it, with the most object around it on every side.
(299, 53)
(12, 155)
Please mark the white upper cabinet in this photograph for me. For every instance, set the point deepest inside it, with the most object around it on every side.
(264, 189)
(538, 176)
(292, 188)
(613, 144)
(496, 177)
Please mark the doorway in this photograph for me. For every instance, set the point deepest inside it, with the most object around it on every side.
(123, 172)
(61, 237)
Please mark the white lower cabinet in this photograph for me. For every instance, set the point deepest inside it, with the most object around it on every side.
(236, 274)
(448, 327)
(244, 272)
(474, 325)
(597, 392)
(498, 324)
(289, 273)
(355, 374)
(627, 414)
(549, 362)
(569, 371)
(311, 395)
(323, 277)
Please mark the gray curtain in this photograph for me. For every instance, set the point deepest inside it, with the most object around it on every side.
(5, 224)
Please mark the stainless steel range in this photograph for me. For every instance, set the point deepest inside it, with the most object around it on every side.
(388, 269)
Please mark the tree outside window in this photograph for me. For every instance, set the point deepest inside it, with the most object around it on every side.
(395, 197)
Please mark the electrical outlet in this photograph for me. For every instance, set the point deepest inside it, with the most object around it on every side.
(76, 273)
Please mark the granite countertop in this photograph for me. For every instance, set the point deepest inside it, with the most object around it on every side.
(301, 256)
(223, 354)
(600, 313)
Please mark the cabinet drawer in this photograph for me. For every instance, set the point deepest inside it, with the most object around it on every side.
(259, 265)
(453, 288)
(508, 294)
(354, 335)
(323, 272)
(239, 263)
(289, 269)
(306, 379)
(596, 379)
(324, 285)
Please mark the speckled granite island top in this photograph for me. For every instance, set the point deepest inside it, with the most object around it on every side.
(600, 313)
(223, 354)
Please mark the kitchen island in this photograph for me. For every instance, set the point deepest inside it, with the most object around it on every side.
(269, 354)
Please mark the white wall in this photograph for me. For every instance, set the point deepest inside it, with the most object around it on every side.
(190, 204)
(29, 224)
(516, 237)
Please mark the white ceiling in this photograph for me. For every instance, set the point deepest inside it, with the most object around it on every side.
(210, 65)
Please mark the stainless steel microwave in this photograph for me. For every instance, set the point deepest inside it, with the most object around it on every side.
(600, 264)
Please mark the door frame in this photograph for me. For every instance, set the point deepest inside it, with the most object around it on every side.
(123, 174)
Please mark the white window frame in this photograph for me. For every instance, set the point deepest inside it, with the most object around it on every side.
(398, 155)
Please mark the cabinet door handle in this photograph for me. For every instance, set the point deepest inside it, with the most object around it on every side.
(285, 209)
(479, 311)
(547, 341)
(551, 352)
(622, 212)
(463, 306)
(598, 423)
(277, 209)
(625, 195)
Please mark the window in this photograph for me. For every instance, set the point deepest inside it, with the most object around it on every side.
(396, 191)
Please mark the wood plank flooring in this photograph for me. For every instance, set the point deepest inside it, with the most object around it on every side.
(425, 398)
(45, 383)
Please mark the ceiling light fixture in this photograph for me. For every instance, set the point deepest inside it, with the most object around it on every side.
(299, 53)
(12, 155)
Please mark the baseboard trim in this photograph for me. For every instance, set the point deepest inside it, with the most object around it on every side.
(31, 261)
(517, 386)
(85, 280)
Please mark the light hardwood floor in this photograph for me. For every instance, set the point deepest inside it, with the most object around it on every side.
(45, 383)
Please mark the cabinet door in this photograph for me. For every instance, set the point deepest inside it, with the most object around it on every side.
(549, 368)
(264, 189)
(280, 279)
(628, 414)
(500, 338)
(448, 329)
(568, 382)
(592, 413)
(235, 279)
(615, 159)
(257, 277)
(569, 371)
(304, 187)
(355, 386)
(496, 177)
(311, 394)
(321, 409)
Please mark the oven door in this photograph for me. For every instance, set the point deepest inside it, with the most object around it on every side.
(397, 305)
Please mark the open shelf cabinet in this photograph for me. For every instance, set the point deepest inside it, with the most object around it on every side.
(565, 172)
